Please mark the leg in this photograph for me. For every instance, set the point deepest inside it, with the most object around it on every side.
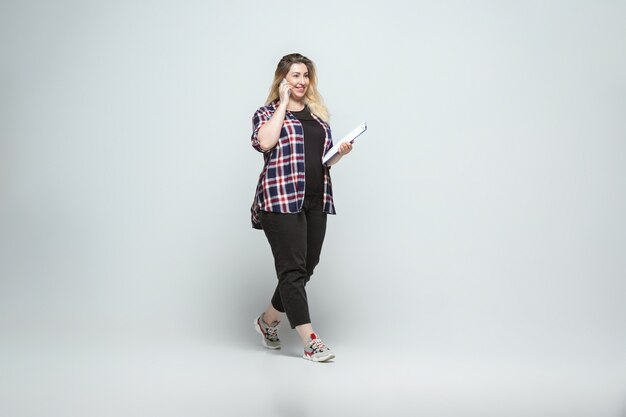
(271, 315)
(277, 302)
(304, 331)
(286, 234)
(316, 231)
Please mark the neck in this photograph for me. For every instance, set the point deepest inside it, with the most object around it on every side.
(294, 105)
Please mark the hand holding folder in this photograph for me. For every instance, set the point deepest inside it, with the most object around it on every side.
(333, 153)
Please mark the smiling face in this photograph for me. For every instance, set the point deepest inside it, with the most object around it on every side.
(298, 77)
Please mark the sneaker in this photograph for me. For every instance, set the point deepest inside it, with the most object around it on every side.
(269, 332)
(316, 350)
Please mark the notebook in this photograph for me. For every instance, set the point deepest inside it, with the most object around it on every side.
(333, 152)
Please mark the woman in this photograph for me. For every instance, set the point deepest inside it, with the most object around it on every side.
(293, 195)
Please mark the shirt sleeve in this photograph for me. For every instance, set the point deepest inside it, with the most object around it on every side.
(261, 116)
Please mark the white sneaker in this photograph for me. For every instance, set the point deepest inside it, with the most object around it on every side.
(316, 350)
(269, 332)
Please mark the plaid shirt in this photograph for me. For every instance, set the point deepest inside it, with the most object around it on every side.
(281, 183)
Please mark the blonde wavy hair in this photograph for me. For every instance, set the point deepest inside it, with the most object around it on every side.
(313, 99)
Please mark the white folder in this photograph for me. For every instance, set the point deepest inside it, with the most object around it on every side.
(350, 137)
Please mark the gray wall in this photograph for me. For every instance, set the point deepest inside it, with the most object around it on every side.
(481, 214)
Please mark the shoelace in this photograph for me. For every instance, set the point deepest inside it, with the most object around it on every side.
(271, 333)
(318, 345)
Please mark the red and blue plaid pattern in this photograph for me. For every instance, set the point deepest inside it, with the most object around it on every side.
(281, 184)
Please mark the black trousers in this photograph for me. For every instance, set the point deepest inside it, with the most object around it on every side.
(296, 241)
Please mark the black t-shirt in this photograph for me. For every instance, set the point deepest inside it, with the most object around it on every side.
(314, 136)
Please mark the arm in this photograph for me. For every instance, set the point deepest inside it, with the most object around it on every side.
(269, 133)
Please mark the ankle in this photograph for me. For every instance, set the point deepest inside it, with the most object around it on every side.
(307, 339)
(271, 323)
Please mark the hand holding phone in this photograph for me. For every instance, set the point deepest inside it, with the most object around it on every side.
(284, 90)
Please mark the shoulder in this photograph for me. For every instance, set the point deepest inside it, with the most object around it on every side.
(265, 111)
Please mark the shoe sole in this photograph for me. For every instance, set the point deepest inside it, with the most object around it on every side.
(322, 359)
(259, 331)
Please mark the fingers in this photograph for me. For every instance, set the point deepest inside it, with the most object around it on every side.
(345, 148)
(284, 90)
